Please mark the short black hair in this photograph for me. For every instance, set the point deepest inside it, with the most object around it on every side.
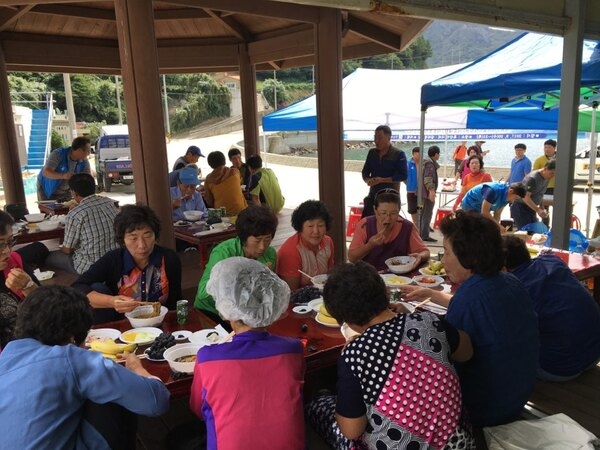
(82, 184)
(433, 150)
(80, 142)
(53, 315)
(386, 130)
(310, 210)
(475, 240)
(134, 217)
(475, 157)
(521, 145)
(354, 293)
(6, 222)
(386, 196)
(516, 252)
(254, 162)
(255, 220)
(216, 159)
(416, 150)
(550, 165)
(233, 152)
(518, 188)
(551, 142)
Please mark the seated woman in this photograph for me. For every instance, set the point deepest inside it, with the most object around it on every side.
(568, 316)
(386, 234)
(16, 280)
(310, 249)
(138, 271)
(56, 394)
(495, 310)
(255, 226)
(249, 391)
(392, 403)
(222, 186)
(476, 176)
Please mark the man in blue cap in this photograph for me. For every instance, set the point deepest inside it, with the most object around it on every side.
(192, 155)
(184, 196)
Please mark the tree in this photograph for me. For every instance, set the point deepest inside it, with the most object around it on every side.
(270, 86)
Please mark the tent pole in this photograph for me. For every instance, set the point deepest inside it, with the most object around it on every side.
(420, 169)
(592, 168)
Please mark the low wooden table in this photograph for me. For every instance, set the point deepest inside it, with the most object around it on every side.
(204, 241)
(28, 235)
(57, 209)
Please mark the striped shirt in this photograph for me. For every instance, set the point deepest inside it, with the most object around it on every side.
(89, 230)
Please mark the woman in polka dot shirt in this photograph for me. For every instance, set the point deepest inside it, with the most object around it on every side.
(397, 387)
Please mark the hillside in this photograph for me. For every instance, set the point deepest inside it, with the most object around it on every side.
(458, 42)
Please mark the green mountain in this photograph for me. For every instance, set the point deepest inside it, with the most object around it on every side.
(458, 42)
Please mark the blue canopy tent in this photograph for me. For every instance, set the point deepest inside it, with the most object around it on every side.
(524, 72)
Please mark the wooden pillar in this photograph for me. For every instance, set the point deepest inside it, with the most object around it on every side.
(141, 82)
(249, 109)
(10, 165)
(330, 123)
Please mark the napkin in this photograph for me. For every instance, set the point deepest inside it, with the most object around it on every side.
(43, 275)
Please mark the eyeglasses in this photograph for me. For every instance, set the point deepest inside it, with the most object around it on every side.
(8, 244)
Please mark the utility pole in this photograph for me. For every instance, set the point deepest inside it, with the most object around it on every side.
(118, 99)
(70, 109)
(275, 90)
(166, 105)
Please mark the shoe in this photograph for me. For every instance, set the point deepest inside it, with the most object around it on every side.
(431, 229)
(429, 239)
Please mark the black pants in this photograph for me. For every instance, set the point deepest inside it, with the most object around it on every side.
(117, 425)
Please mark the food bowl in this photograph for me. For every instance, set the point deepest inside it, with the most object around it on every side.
(318, 281)
(48, 225)
(429, 281)
(193, 215)
(400, 264)
(34, 218)
(137, 322)
(179, 351)
(221, 226)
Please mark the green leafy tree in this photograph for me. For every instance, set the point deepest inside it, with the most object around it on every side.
(57, 141)
(270, 86)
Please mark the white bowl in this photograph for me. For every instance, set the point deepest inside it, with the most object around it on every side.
(177, 351)
(221, 226)
(150, 322)
(193, 215)
(34, 218)
(429, 281)
(400, 264)
(318, 281)
(48, 225)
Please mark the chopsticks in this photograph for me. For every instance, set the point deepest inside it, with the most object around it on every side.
(227, 338)
(418, 305)
(306, 275)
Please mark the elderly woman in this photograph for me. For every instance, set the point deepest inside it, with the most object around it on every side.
(310, 249)
(385, 395)
(473, 178)
(495, 310)
(55, 394)
(255, 226)
(386, 234)
(16, 279)
(140, 270)
(463, 169)
(249, 391)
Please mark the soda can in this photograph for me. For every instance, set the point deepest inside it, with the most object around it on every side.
(182, 311)
(223, 211)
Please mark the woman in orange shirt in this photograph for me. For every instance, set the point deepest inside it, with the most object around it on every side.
(476, 176)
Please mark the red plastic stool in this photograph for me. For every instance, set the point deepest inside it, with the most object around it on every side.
(441, 213)
(575, 222)
(355, 215)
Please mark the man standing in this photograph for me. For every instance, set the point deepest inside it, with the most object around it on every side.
(430, 185)
(520, 165)
(412, 183)
(89, 230)
(480, 151)
(385, 167)
(264, 187)
(523, 211)
(52, 181)
(184, 196)
(540, 162)
(192, 155)
(460, 153)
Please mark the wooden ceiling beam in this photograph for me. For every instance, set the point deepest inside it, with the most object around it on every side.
(6, 20)
(416, 28)
(374, 33)
(79, 12)
(292, 45)
(232, 25)
(264, 8)
(180, 14)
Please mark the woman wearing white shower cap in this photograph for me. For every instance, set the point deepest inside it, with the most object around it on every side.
(249, 391)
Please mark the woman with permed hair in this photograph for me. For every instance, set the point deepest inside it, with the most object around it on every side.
(255, 227)
(140, 270)
(310, 249)
(475, 177)
(495, 310)
(56, 394)
(389, 389)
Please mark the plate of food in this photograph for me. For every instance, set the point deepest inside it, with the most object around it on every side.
(182, 335)
(208, 336)
(394, 281)
(429, 281)
(143, 335)
(181, 223)
(102, 334)
(434, 268)
(324, 318)
(315, 304)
